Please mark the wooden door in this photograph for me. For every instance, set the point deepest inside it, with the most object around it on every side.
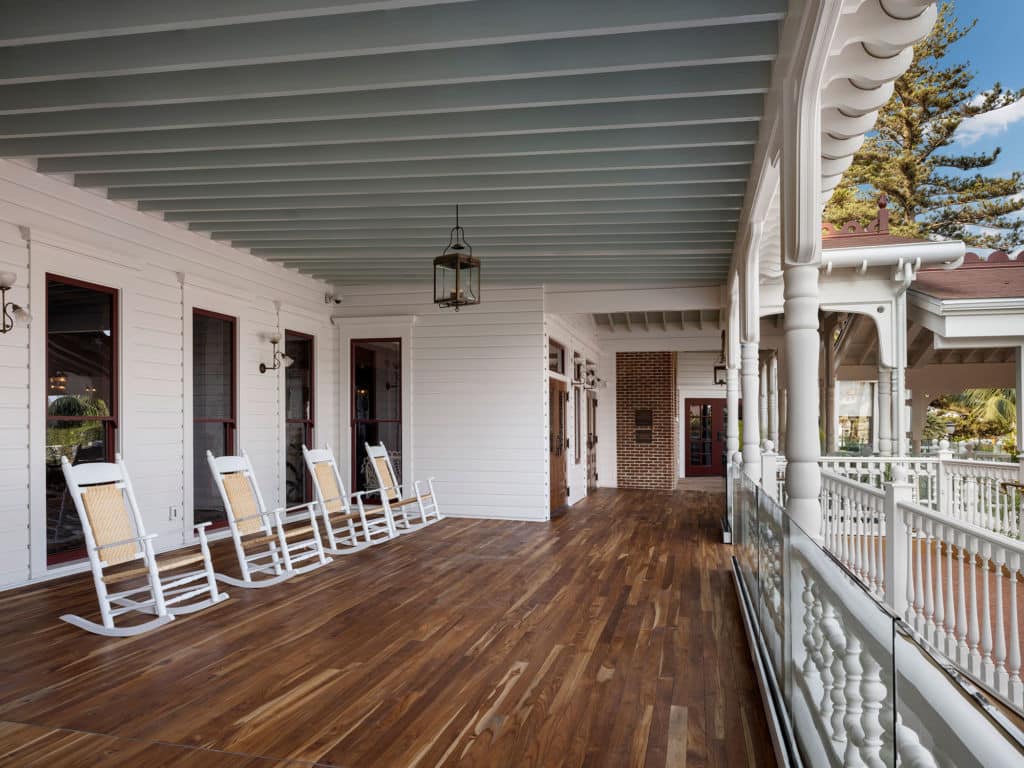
(557, 443)
(705, 437)
(591, 442)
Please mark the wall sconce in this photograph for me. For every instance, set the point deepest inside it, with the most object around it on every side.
(12, 312)
(720, 375)
(280, 359)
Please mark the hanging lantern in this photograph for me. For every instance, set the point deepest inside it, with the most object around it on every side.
(457, 272)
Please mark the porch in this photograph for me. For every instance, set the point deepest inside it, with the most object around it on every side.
(610, 636)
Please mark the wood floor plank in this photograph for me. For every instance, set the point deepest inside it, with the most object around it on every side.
(608, 637)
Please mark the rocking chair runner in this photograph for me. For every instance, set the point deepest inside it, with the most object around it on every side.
(115, 536)
(394, 500)
(273, 550)
(356, 530)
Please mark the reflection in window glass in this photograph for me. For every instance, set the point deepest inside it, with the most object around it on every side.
(213, 408)
(376, 405)
(81, 349)
(298, 415)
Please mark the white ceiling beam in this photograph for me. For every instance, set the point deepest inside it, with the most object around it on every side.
(629, 299)
(664, 324)
(546, 145)
(518, 213)
(367, 34)
(517, 254)
(617, 87)
(342, 227)
(400, 230)
(686, 197)
(611, 323)
(428, 241)
(47, 21)
(634, 160)
(499, 122)
(647, 324)
(701, 181)
(629, 323)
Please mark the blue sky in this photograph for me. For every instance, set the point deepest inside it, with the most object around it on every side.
(993, 49)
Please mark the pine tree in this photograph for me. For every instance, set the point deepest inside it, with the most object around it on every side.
(930, 192)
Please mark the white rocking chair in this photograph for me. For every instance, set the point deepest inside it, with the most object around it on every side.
(394, 500)
(274, 550)
(356, 530)
(115, 536)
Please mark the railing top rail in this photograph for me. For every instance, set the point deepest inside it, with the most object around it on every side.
(1007, 466)
(853, 485)
(882, 459)
(968, 529)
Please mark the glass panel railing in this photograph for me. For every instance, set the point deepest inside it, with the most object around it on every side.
(844, 674)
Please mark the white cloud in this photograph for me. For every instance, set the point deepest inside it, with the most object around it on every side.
(989, 124)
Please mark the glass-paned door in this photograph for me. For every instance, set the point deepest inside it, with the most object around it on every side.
(299, 384)
(376, 405)
(81, 398)
(705, 433)
(214, 409)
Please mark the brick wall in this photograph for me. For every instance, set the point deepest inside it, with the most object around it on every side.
(647, 380)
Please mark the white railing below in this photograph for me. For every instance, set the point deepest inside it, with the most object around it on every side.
(853, 527)
(983, 493)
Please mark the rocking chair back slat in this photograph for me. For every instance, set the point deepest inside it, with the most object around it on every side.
(386, 476)
(110, 522)
(243, 503)
(329, 486)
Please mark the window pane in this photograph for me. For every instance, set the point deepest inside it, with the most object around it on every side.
(206, 503)
(391, 434)
(213, 350)
(298, 378)
(295, 470)
(79, 350)
(83, 442)
(377, 380)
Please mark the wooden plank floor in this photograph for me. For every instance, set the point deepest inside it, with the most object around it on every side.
(610, 637)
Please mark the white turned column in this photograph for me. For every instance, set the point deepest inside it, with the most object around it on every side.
(918, 418)
(885, 411)
(732, 411)
(899, 411)
(762, 402)
(803, 476)
(783, 409)
(773, 400)
(751, 392)
(1019, 370)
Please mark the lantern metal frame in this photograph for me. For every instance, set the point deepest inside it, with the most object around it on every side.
(457, 256)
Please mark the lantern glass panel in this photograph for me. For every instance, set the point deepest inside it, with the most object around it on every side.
(444, 282)
(469, 281)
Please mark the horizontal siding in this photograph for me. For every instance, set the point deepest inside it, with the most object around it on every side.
(477, 397)
(80, 234)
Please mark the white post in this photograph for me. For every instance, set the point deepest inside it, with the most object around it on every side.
(919, 417)
(773, 400)
(897, 554)
(899, 411)
(770, 470)
(942, 492)
(732, 410)
(751, 427)
(762, 402)
(803, 476)
(885, 411)
(1019, 370)
(783, 405)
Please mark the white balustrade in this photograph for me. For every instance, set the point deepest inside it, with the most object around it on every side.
(853, 527)
(977, 492)
(976, 624)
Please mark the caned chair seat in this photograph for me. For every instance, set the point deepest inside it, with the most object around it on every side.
(120, 550)
(397, 498)
(268, 550)
(350, 528)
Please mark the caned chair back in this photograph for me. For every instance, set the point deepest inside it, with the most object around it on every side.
(382, 467)
(103, 497)
(327, 484)
(242, 499)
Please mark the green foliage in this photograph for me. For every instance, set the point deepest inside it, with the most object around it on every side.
(974, 413)
(63, 437)
(928, 193)
(77, 405)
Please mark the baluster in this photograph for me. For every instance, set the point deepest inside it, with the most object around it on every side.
(949, 536)
(999, 647)
(909, 749)
(853, 666)
(824, 612)
(873, 693)
(869, 558)
(929, 585)
(973, 631)
(908, 520)
(880, 548)
(962, 650)
(918, 576)
(987, 667)
(1016, 686)
(940, 601)
(837, 648)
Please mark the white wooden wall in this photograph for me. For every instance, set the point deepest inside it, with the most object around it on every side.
(474, 389)
(161, 271)
(695, 378)
(577, 334)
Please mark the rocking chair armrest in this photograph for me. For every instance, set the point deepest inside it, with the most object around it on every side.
(201, 526)
(296, 507)
(256, 516)
(147, 537)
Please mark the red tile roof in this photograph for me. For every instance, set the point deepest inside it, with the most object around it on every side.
(994, 277)
(853, 235)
